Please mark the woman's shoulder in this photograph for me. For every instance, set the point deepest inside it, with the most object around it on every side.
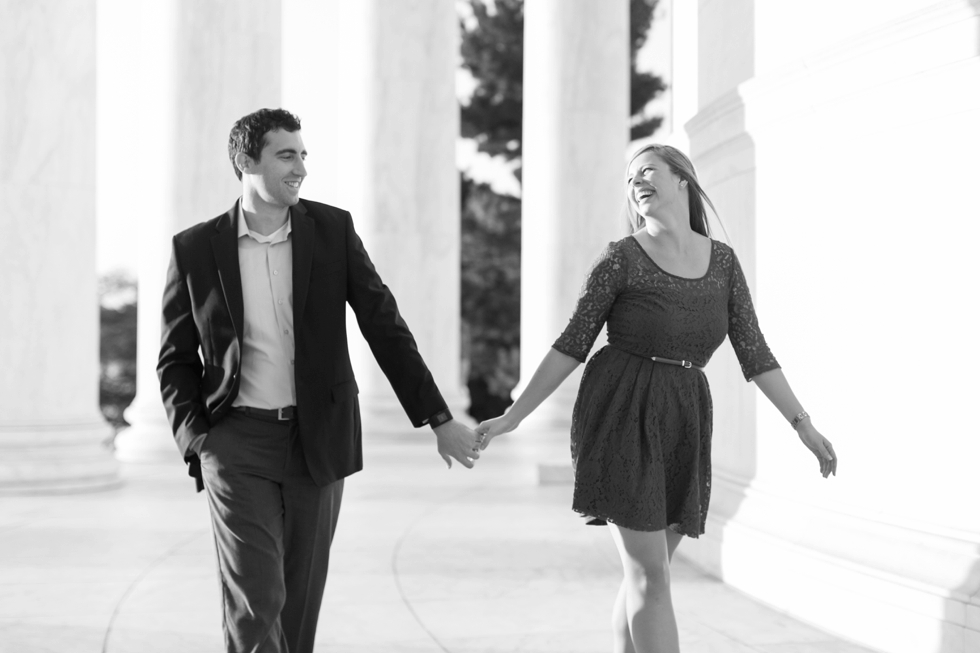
(721, 246)
(616, 249)
(722, 251)
(612, 259)
(725, 260)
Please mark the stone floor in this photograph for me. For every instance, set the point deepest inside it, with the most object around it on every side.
(425, 560)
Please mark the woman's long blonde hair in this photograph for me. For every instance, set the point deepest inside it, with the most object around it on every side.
(681, 166)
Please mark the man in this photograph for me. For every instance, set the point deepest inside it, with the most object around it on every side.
(269, 420)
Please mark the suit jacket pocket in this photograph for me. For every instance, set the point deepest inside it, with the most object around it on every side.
(343, 391)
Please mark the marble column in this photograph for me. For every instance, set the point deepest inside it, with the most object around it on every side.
(374, 82)
(682, 80)
(841, 156)
(576, 107)
(204, 64)
(52, 436)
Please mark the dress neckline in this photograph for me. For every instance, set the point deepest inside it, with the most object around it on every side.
(711, 261)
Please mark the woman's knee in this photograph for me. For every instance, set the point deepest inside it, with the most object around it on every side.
(649, 579)
(646, 560)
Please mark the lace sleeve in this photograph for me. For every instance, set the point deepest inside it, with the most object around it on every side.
(743, 328)
(605, 280)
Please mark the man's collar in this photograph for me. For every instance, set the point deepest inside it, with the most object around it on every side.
(275, 237)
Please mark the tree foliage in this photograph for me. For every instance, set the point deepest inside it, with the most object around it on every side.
(493, 52)
(491, 295)
(117, 351)
(644, 86)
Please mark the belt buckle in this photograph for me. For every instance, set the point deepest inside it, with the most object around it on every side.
(686, 364)
(281, 417)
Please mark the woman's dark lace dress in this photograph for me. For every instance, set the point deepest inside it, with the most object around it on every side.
(641, 431)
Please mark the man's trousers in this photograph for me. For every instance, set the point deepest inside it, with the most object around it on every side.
(272, 527)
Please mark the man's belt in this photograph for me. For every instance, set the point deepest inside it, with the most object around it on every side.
(286, 414)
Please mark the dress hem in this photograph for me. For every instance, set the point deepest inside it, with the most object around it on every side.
(596, 519)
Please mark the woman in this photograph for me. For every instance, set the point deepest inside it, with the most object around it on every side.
(641, 426)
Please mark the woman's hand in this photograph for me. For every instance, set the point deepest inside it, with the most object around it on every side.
(491, 428)
(820, 446)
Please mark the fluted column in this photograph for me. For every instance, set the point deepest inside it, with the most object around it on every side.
(380, 121)
(840, 155)
(576, 105)
(52, 435)
(204, 64)
(682, 82)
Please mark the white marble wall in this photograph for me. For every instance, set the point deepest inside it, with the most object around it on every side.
(202, 65)
(841, 155)
(576, 92)
(374, 82)
(51, 431)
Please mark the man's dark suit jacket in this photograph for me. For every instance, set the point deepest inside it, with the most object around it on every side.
(203, 309)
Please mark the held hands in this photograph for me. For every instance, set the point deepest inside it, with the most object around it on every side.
(491, 428)
(455, 440)
(820, 446)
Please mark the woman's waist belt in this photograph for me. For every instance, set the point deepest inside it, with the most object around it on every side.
(660, 359)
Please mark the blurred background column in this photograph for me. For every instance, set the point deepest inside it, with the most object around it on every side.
(681, 62)
(842, 156)
(576, 109)
(374, 82)
(52, 435)
(164, 157)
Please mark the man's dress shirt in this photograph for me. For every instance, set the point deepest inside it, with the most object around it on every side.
(269, 345)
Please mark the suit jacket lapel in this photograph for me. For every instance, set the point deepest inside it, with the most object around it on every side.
(302, 237)
(224, 244)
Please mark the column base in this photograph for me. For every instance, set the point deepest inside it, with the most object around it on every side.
(555, 473)
(903, 588)
(149, 439)
(547, 435)
(382, 412)
(545, 442)
(57, 458)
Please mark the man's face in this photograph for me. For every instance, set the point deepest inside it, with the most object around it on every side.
(279, 172)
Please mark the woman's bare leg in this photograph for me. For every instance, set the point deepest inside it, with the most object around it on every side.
(643, 616)
(622, 640)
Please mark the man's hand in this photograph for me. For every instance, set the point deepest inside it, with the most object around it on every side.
(456, 440)
(491, 428)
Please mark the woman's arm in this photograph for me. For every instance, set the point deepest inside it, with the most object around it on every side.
(776, 388)
(553, 369)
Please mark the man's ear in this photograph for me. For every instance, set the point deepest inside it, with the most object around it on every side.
(243, 162)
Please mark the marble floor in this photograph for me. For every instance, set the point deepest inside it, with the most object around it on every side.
(425, 560)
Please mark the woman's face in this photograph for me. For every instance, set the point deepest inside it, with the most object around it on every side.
(652, 186)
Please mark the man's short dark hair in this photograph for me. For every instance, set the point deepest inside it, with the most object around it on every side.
(248, 133)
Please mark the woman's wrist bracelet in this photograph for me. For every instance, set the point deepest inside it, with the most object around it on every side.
(798, 419)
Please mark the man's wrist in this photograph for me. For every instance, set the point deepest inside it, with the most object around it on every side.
(440, 418)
